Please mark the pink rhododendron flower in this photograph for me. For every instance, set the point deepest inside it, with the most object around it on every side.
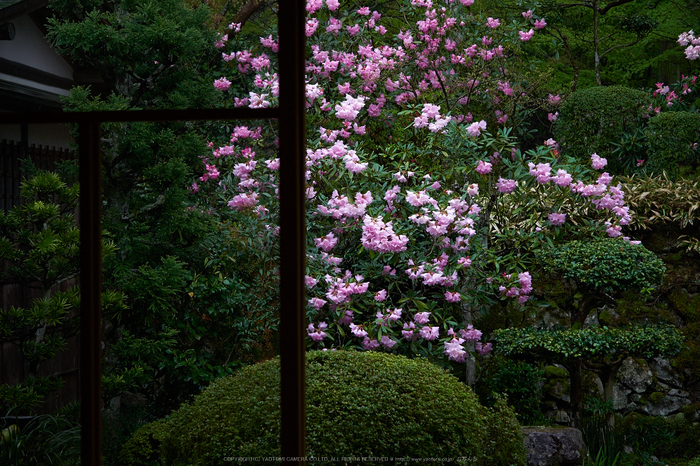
(613, 231)
(539, 24)
(557, 219)
(387, 342)
(243, 201)
(483, 349)
(370, 344)
(317, 333)
(483, 167)
(380, 295)
(453, 296)
(505, 186)
(358, 331)
(422, 317)
(455, 351)
(562, 178)
(470, 333)
(311, 26)
(349, 108)
(526, 36)
(409, 331)
(492, 23)
(598, 161)
(541, 171)
(430, 333)
(604, 178)
(326, 242)
(316, 303)
(395, 314)
(222, 84)
(476, 128)
(310, 281)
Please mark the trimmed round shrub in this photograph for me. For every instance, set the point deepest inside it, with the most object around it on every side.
(673, 139)
(607, 264)
(592, 120)
(358, 404)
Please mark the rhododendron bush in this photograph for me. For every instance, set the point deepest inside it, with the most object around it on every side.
(420, 206)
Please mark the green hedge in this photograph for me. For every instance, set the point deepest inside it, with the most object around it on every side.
(607, 264)
(673, 139)
(594, 119)
(358, 404)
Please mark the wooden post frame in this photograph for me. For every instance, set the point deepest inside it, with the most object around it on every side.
(292, 134)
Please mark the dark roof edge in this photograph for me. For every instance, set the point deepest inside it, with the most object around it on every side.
(22, 8)
(33, 74)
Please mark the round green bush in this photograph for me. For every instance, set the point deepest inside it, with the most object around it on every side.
(592, 120)
(607, 264)
(673, 139)
(358, 404)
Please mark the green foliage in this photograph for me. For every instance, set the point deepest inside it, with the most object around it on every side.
(689, 359)
(590, 342)
(158, 52)
(358, 404)
(39, 238)
(591, 120)
(190, 291)
(39, 248)
(143, 448)
(607, 264)
(520, 382)
(650, 434)
(46, 440)
(662, 200)
(673, 142)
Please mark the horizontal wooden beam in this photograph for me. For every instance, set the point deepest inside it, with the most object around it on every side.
(124, 116)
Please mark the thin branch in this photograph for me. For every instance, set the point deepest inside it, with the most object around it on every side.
(621, 46)
(613, 5)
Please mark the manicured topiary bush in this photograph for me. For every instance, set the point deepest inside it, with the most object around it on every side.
(358, 404)
(673, 139)
(592, 120)
(607, 264)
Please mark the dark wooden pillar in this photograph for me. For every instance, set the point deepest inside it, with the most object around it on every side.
(90, 289)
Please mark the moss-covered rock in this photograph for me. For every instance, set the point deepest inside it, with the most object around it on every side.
(556, 371)
(687, 306)
(357, 404)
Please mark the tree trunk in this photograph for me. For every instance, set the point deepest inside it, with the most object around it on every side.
(575, 390)
(596, 56)
(468, 319)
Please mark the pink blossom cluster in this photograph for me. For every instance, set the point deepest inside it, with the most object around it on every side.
(445, 63)
(520, 289)
(431, 112)
(379, 236)
(692, 44)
